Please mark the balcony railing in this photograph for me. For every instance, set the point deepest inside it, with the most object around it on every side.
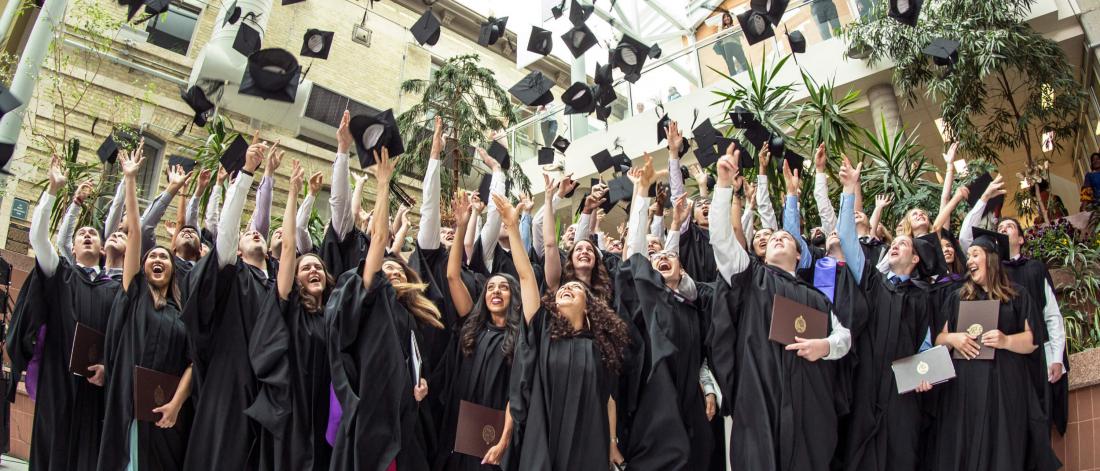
(685, 71)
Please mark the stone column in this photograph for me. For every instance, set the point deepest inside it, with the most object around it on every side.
(884, 106)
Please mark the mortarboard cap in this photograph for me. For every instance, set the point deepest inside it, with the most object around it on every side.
(629, 56)
(561, 144)
(492, 31)
(579, 39)
(541, 41)
(742, 118)
(622, 163)
(499, 153)
(232, 15)
(426, 29)
(272, 74)
(619, 189)
(944, 52)
(755, 25)
(905, 11)
(247, 41)
(558, 9)
(108, 151)
(233, 157)
(8, 102)
(291, 2)
(603, 74)
(579, 13)
(993, 241)
(705, 134)
(605, 94)
(485, 187)
(316, 43)
(546, 155)
(707, 156)
(602, 160)
(603, 112)
(797, 41)
(186, 163)
(775, 11)
(156, 7)
(533, 90)
(777, 145)
(758, 136)
(579, 98)
(932, 263)
(978, 187)
(794, 160)
(372, 133)
(662, 128)
(195, 97)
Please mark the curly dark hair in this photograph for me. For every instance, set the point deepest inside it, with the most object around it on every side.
(606, 326)
(601, 280)
(479, 317)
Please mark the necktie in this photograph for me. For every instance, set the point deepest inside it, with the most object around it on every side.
(894, 280)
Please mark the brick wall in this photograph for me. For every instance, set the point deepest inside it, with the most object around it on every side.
(1078, 450)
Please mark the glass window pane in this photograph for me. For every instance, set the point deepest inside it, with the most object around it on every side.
(173, 29)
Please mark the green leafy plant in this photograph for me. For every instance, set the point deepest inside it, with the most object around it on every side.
(895, 163)
(1062, 248)
(472, 104)
(1009, 86)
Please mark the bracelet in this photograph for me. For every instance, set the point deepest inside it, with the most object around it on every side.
(246, 172)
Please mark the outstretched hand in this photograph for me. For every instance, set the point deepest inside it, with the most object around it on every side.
(344, 140)
(383, 169)
(297, 174)
(508, 214)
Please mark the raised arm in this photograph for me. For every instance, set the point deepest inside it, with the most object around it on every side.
(261, 216)
(748, 227)
(301, 236)
(402, 230)
(64, 238)
(536, 221)
(948, 174)
(427, 235)
(524, 207)
(460, 296)
(730, 256)
(966, 232)
(846, 225)
(679, 213)
(642, 177)
(792, 221)
(130, 162)
(214, 204)
(177, 179)
(821, 192)
(191, 217)
(471, 229)
(529, 287)
(943, 219)
(380, 223)
(882, 201)
(763, 193)
(287, 267)
(551, 263)
(342, 217)
(44, 251)
(591, 204)
(490, 232)
(675, 175)
(114, 212)
(230, 223)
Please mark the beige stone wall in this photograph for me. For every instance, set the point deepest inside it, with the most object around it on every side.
(121, 94)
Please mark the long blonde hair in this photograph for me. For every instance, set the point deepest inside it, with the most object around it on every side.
(411, 295)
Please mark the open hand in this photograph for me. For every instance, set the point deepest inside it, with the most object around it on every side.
(344, 140)
(168, 414)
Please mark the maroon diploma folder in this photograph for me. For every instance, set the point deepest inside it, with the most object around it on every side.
(152, 389)
(479, 429)
(975, 319)
(791, 319)
(87, 350)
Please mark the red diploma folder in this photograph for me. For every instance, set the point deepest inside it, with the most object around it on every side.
(87, 350)
(791, 319)
(479, 429)
(152, 389)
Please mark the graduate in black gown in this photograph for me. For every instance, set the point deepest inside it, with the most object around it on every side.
(570, 349)
(486, 343)
(146, 331)
(239, 347)
(58, 295)
(990, 417)
(374, 356)
(783, 400)
(668, 426)
(883, 431)
(303, 286)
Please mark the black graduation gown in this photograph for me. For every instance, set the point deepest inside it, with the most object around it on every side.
(696, 254)
(343, 255)
(785, 409)
(668, 429)
(989, 417)
(305, 447)
(502, 263)
(183, 276)
(142, 335)
(68, 418)
(239, 347)
(369, 348)
(559, 405)
(1032, 275)
(481, 378)
(883, 430)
